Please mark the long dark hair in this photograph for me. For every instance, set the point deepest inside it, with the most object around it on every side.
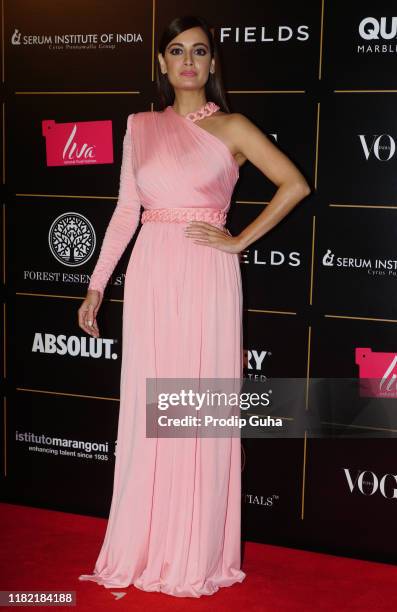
(214, 89)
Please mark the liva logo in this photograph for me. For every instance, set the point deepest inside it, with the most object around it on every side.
(78, 143)
(74, 346)
(367, 483)
(377, 373)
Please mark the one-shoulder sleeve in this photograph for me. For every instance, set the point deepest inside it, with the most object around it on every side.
(124, 221)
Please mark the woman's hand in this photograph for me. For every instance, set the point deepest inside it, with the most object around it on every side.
(204, 233)
(88, 311)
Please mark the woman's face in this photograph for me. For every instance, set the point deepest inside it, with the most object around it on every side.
(187, 60)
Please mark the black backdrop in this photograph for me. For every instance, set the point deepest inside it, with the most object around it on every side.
(318, 78)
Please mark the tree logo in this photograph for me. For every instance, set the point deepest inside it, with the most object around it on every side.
(72, 239)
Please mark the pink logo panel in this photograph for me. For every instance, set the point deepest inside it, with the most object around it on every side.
(378, 373)
(78, 143)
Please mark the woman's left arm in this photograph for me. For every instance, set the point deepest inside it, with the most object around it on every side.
(277, 167)
(248, 140)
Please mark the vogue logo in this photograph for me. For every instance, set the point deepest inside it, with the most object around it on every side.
(75, 144)
(263, 34)
(378, 373)
(382, 146)
(367, 483)
(74, 346)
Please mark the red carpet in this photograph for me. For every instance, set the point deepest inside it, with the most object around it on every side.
(46, 550)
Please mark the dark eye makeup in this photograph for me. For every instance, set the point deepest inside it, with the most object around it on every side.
(199, 50)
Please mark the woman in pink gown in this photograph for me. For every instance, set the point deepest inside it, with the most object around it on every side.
(174, 523)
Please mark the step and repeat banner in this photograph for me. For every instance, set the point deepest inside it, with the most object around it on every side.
(319, 79)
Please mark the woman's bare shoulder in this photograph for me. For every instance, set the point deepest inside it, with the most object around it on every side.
(233, 120)
(238, 119)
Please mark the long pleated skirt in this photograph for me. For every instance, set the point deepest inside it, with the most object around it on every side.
(175, 518)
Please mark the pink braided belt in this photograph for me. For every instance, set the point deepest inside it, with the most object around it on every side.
(182, 215)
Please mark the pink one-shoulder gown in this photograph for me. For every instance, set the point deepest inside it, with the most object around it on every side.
(175, 517)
